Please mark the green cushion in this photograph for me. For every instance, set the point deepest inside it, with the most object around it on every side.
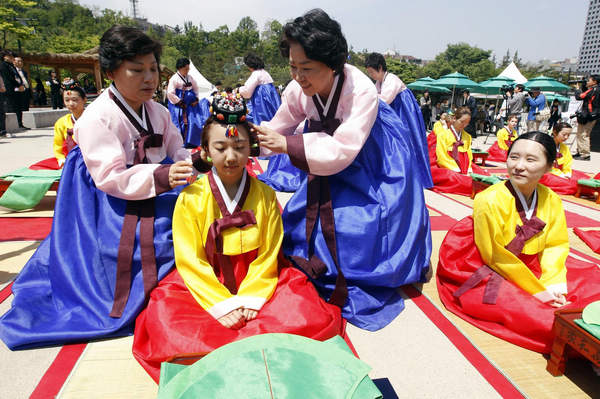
(286, 365)
(478, 152)
(593, 329)
(28, 187)
(486, 179)
(589, 182)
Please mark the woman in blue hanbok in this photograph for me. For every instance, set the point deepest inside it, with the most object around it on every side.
(357, 225)
(93, 273)
(394, 92)
(259, 91)
(188, 112)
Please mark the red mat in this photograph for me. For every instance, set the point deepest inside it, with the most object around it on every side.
(24, 229)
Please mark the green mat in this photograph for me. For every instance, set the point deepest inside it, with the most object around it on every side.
(589, 182)
(272, 366)
(486, 179)
(28, 187)
(474, 151)
(593, 329)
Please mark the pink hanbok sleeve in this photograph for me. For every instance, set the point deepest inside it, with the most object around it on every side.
(107, 138)
(171, 89)
(248, 88)
(391, 86)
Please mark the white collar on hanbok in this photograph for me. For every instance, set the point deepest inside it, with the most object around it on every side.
(142, 120)
(528, 210)
(333, 87)
(231, 204)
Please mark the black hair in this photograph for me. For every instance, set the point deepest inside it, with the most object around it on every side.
(544, 139)
(376, 61)
(218, 83)
(521, 86)
(466, 91)
(6, 52)
(596, 78)
(121, 43)
(79, 91)
(253, 61)
(461, 111)
(320, 36)
(560, 126)
(182, 62)
(254, 151)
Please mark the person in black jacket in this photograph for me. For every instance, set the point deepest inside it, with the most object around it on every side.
(554, 114)
(13, 84)
(55, 91)
(587, 116)
(468, 101)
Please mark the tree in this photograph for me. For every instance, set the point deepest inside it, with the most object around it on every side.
(505, 60)
(471, 61)
(517, 60)
(404, 70)
(11, 20)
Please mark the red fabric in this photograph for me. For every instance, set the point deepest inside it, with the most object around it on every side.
(174, 323)
(24, 229)
(431, 144)
(58, 372)
(590, 237)
(49, 163)
(496, 153)
(562, 185)
(516, 317)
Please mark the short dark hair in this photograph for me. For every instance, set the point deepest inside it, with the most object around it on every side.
(376, 61)
(253, 61)
(182, 62)
(560, 126)
(320, 36)
(461, 111)
(544, 139)
(520, 86)
(121, 43)
(596, 78)
(78, 89)
(466, 91)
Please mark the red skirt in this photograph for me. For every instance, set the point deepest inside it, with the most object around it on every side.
(516, 316)
(48, 163)
(496, 153)
(175, 324)
(449, 181)
(563, 185)
(590, 237)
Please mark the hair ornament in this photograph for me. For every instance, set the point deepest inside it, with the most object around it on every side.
(229, 109)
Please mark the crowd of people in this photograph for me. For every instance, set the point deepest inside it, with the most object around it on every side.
(162, 230)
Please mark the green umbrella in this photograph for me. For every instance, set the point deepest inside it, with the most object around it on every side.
(551, 97)
(493, 85)
(546, 83)
(423, 86)
(455, 80)
(426, 79)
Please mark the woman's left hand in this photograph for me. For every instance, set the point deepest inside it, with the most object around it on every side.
(249, 314)
(270, 139)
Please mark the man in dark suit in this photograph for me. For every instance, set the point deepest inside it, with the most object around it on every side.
(25, 96)
(468, 101)
(13, 85)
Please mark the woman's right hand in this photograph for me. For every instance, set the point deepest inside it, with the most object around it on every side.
(179, 173)
(234, 319)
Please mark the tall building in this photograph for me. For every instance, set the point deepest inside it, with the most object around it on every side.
(589, 53)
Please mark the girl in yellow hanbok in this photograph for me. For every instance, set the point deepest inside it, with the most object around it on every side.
(231, 280)
(507, 268)
(505, 137)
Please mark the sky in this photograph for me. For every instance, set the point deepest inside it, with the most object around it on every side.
(540, 29)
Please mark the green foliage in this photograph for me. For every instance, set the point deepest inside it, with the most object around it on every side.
(12, 24)
(404, 70)
(471, 61)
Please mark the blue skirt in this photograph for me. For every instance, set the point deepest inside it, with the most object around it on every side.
(197, 115)
(381, 225)
(406, 106)
(65, 291)
(263, 104)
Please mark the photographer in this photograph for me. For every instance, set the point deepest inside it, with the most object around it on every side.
(515, 98)
(537, 102)
(587, 116)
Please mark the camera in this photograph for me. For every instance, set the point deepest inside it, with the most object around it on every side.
(572, 82)
(505, 89)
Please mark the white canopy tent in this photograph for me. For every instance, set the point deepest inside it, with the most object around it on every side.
(512, 71)
(205, 88)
